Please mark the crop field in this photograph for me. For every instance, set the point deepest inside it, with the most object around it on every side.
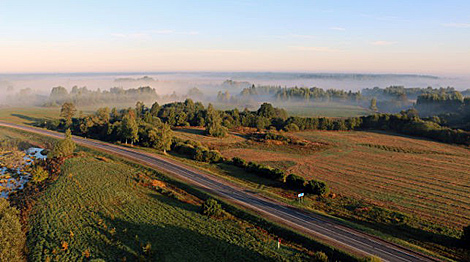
(414, 176)
(99, 208)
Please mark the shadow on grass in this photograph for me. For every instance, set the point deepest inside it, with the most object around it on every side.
(170, 200)
(34, 120)
(190, 131)
(165, 242)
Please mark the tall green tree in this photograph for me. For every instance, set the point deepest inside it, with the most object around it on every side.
(68, 111)
(161, 137)
(129, 128)
(214, 123)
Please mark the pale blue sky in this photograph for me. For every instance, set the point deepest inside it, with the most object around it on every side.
(314, 36)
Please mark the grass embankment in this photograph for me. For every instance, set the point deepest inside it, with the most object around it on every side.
(410, 189)
(102, 209)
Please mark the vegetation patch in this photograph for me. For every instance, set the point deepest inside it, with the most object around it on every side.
(100, 209)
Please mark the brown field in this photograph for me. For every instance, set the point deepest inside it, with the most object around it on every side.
(428, 179)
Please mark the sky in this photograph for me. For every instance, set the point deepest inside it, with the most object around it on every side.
(423, 37)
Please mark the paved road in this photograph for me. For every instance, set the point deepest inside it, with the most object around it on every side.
(308, 223)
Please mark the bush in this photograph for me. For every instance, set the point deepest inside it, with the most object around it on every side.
(316, 187)
(12, 238)
(64, 147)
(319, 257)
(39, 174)
(236, 161)
(291, 127)
(212, 208)
(372, 259)
(295, 181)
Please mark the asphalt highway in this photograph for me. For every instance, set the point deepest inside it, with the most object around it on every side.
(311, 224)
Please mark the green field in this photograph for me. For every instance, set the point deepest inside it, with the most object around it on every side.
(102, 208)
(28, 115)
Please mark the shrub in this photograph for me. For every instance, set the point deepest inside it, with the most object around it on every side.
(291, 127)
(212, 208)
(239, 162)
(39, 174)
(319, 257)
(316, 187)
(64, 147)
(372, 259)
(213, 156)
(295, 181)
(12, 238)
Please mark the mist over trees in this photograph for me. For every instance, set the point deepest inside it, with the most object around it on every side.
(82, 96)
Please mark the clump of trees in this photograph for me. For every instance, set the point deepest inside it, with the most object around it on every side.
(12, 238)
(82, 96)
(292, 181)
(64, 147)
(196, 151)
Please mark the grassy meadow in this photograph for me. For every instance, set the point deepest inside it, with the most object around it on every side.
(100, 208)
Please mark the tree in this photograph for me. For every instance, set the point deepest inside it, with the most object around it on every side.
(161, 137)
(373, 104)
(154, 109)
(12, 238)
(68, 111)
(129, 128)
(266, 110)
(214, 123)
(64, 147)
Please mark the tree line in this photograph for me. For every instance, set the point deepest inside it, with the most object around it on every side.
(147, 126)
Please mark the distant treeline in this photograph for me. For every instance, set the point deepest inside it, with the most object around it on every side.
(291, 94)
(392, 99)
(82, 96)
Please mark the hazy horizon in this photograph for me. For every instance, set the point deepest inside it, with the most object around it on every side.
(418, 37)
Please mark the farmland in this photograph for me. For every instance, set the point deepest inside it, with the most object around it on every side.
(100, 208)
(420, 177)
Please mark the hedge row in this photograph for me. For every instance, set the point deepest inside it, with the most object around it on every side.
(292, 181)
(196, 151)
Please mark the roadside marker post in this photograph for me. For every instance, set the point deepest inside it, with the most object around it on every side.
(300, 196)
(278, 242)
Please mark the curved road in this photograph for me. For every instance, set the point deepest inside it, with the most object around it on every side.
(308, 223)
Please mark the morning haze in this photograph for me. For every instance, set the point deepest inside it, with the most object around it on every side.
(234, 130)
